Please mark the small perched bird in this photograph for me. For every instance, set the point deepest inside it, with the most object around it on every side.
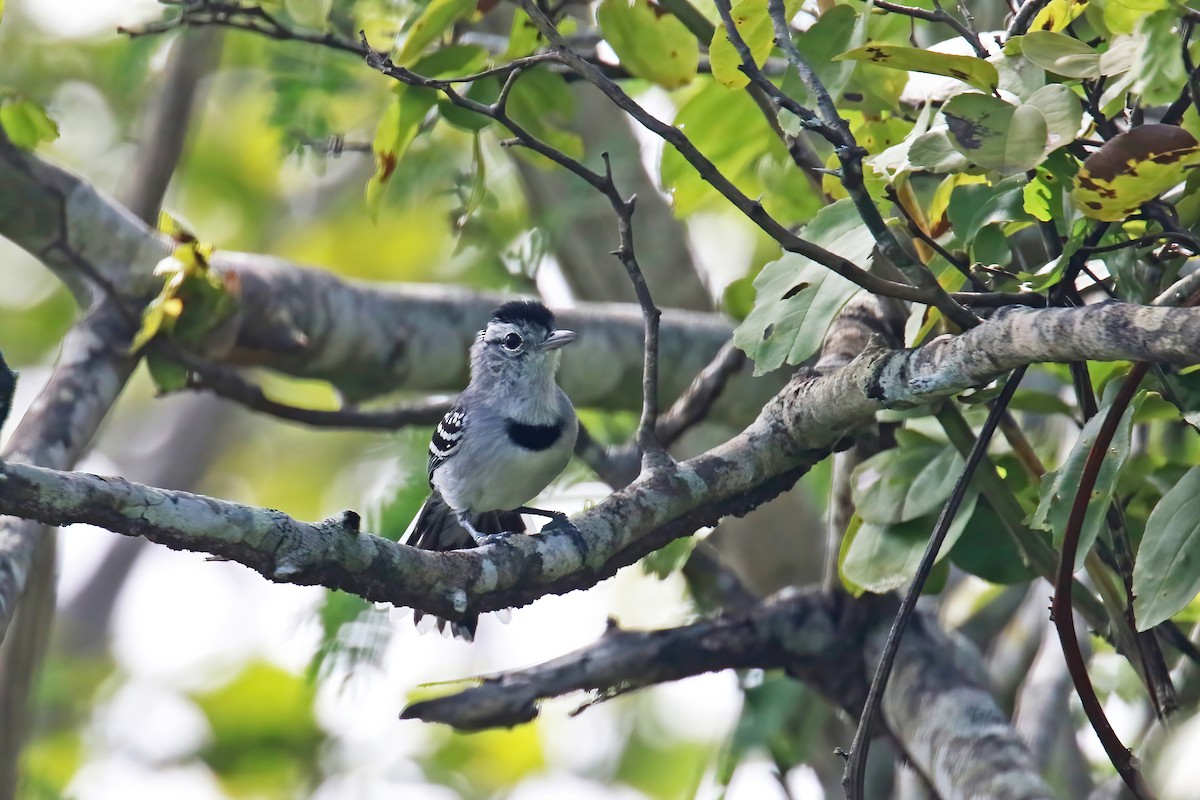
(510, 433)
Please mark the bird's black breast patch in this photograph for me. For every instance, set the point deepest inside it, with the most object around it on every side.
(533, 437)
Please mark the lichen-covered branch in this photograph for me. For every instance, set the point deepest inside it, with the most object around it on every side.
(796, 429)
(941, 718)
(367, 339)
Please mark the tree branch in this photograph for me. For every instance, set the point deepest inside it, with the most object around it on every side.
(794, 430)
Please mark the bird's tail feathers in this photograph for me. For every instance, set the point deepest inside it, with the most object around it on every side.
(436, 527)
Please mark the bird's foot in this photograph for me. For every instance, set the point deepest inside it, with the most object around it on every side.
(491, 538)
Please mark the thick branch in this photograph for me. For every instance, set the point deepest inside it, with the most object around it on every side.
(793, 431)
(943, 720)
(367, 339)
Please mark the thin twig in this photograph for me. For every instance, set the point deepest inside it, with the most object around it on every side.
(654, 455)
(1022, 19)
(939, 14)
(697, 400)
(752, 209)
(852, 778)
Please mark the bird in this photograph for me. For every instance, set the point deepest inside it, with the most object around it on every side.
(507, 436)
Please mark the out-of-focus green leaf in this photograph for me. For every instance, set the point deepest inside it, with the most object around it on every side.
(1159, 64)
(264, 732)
(752, 21)
(987, 551)
(522, 37)
(1060, 487)
(396, 132)
(906, 482)
(666, 561)
(493, 760)
(1133, 168)
(1122, 16)
(974, 71)
(25, 123)
(1166, 575)
(884, 557)
(780, 715)
(738, 298)
(1061, 54)
(796, 299)
(650, 43)
(542, 102)
(434, 20)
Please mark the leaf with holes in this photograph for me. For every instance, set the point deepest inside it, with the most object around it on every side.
(650, 42)
(796, 299)
(1060, 487)
(1133, 168)
(968, 69)
(1166, 575)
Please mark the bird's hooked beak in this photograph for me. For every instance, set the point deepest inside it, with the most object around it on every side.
(558, 339)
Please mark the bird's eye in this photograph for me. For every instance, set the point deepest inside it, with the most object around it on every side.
(512, 342)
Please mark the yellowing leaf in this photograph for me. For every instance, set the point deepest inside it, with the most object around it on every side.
(1057, 15)
(754, 24)
(650, 42)
(1133, 168)
(437, 17)
(974, 71)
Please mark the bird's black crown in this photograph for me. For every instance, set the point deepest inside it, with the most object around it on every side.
(525, 311)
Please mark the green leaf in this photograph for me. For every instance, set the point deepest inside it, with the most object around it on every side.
(395, 133)
(754, 24)
(987, 551)
(837, 30)
(543, 103)
(1005, 206)
(995, 135)
(974, 71)
(934, 152)
(1159, 62)
(650, 43)
(168, 375)
(1122, 16)
(1061, 54)
(884, 557)
(729, 128)
(1166, 575)
(523, 37)
(434, 20)
(1133, 168)
(25, 123)
(1060, 487)
(797, 299)
(905, 482)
